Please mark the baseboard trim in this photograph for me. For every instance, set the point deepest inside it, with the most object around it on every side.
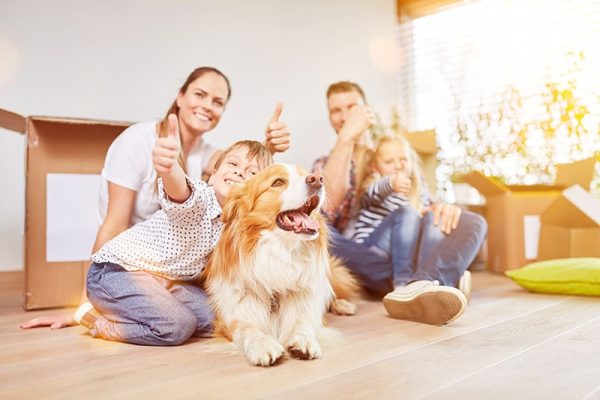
(12, 280)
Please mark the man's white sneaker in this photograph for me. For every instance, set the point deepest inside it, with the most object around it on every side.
(84, 315)
(425, 302)
(464, 285)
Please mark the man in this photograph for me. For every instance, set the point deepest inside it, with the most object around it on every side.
(443, 253)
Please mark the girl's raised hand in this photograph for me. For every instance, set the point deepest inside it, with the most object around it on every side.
(401, 183)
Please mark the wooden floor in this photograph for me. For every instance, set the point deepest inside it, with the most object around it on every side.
(510, 344)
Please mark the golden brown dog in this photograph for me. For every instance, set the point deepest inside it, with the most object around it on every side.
(270, 278)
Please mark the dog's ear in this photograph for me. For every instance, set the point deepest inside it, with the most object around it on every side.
(236, 204)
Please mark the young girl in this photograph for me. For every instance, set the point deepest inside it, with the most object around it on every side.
(141, 285)
(395, 220)
(395, 181)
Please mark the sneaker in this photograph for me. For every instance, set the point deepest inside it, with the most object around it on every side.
(425, 302)
(464, 285)
(84, 315)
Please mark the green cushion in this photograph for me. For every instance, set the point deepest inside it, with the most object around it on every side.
(568, 275)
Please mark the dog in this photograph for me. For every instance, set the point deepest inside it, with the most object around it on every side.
(270, 278)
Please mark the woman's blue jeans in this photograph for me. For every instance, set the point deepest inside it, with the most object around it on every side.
(407, 247)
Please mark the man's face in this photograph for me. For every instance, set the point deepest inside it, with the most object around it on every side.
(339, 105)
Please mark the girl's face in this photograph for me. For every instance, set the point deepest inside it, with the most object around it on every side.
(202, 104)
(392, 157)
(234, 168)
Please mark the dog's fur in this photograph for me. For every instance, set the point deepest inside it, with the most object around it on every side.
(270, 277)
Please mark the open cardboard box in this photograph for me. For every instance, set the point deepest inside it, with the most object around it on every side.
(513, 212)
(424, 143)
(571, 226)
(55, 145)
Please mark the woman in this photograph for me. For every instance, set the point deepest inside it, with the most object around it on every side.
(128, 192)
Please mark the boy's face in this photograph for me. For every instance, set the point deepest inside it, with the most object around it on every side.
(391, 158)
(235, 167)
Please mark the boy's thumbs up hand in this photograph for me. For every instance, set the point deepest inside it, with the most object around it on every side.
(277, 134)
(166, 149)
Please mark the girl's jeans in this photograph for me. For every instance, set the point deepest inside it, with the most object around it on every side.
(141, 308)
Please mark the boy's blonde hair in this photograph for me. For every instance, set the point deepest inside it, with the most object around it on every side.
(257, 150)
(415, 196)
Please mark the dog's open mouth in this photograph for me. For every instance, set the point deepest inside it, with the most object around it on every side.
(299, 220)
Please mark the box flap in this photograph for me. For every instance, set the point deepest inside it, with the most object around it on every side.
(78, 121)
(486, 185)
(575, 207)
(12, 121)
(422, 141)
(536, 188)
(576, 173)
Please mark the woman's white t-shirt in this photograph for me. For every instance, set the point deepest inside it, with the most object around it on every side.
(128, 163)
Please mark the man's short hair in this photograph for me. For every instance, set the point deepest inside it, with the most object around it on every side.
(345, 87)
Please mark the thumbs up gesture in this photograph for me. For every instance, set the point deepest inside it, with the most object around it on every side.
(401, 183)
(277, 134)
(166, 149)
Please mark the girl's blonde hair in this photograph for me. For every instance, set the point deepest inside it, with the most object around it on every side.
(415, 196)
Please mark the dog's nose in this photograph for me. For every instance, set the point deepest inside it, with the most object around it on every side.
(315, 180)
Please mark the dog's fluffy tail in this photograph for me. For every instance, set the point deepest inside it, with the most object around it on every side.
(345, 287)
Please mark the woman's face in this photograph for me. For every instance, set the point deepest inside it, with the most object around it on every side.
(392, 157)
(202, 104)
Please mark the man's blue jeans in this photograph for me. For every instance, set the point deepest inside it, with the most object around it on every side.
(142, 308)
(407, 247)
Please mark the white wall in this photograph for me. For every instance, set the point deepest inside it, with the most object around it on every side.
(125, 60)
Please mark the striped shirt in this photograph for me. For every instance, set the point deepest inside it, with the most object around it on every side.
(377, 203)
(175, 241)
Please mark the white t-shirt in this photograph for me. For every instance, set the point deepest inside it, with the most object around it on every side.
(128, 163)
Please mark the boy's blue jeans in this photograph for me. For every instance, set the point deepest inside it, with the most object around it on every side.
(406, 248)
(141, 308)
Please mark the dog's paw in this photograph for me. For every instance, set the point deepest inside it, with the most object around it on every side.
(343, 307)
(264, 351)
(304, 347)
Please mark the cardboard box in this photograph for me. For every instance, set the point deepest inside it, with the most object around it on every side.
(513, 212)
(424, 143)
(55, 145)
(571, 226)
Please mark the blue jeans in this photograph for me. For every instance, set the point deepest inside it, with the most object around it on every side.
(141, 308)
(406, 248)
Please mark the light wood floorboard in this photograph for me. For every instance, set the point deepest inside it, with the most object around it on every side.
(509, 344)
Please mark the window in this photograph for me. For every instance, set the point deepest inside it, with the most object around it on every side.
(511, 87)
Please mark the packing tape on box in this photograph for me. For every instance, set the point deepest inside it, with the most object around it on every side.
(33, 139)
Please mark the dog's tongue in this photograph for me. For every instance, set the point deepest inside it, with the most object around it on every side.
(303, 222)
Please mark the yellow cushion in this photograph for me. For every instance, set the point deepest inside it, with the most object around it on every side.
(568, 275)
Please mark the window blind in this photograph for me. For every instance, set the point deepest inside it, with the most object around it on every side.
(511, 87)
